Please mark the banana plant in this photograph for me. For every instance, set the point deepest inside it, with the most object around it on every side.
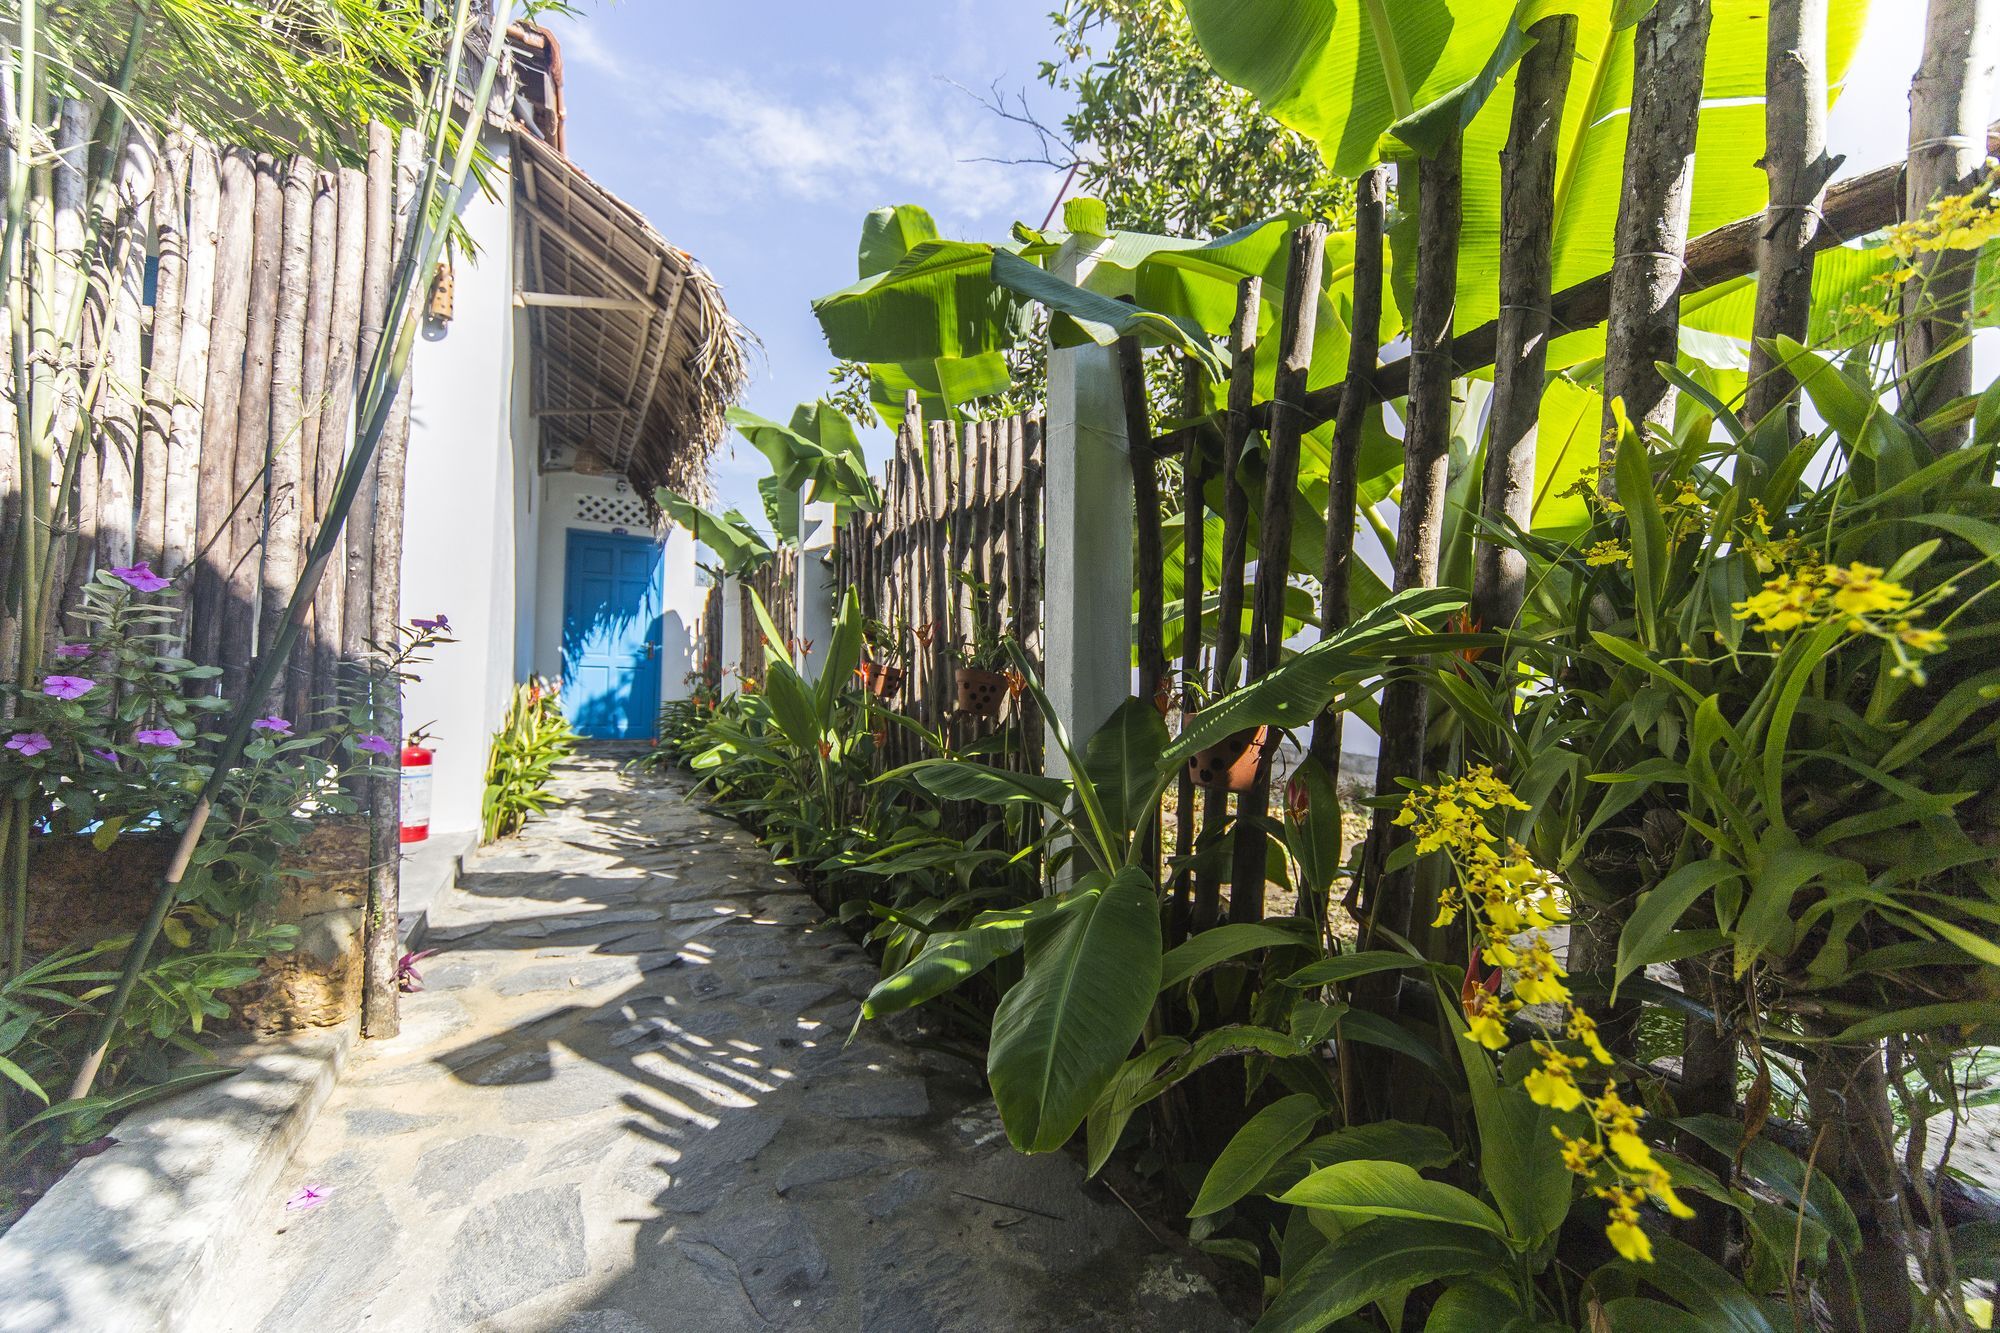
(818, 449)
(738, 547)
(1093, 958)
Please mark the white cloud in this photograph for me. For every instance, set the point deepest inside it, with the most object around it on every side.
(725, 139)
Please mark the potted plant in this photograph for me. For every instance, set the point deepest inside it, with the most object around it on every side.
(1233, 762)
(981, 678)
(879, 672)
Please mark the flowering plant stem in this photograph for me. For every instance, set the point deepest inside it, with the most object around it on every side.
(378, 394)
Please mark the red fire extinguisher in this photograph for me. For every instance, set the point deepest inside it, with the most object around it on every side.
(416, 789)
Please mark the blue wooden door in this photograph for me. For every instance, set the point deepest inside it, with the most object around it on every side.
(613, 588)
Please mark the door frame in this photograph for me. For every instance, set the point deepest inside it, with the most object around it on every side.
(651, 725)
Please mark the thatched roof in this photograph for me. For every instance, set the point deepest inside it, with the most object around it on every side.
(636, 355)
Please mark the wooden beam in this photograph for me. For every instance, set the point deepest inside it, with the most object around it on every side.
(647, 385)
(1854, 207)
(574, 301)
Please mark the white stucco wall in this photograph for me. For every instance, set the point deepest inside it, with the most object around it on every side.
(561, 509)
(469, 477)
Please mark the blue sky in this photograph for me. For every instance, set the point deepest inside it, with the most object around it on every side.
(756, 135)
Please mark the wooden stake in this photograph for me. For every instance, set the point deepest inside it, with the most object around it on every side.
(243, 546)
(1669, 47)
(336, 421)
(228, 336)
(1527, 201)
(1949, 98)
(170, 225)
(118, 411)
(283, 529)
(1274, 545)
(357, 613)
(1194, 541)
(319, 433)
(185, 466)
(1371, 192)
(1150, 640)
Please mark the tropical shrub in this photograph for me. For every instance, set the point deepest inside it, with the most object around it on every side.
(534, 737)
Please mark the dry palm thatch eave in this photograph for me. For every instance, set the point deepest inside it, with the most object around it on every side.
(636, 356)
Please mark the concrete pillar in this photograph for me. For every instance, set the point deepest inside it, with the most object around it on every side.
(732, 633)
(680, 646)
(816, 608)
(1087, 585)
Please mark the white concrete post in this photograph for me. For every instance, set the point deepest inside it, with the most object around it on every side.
(1087, 589)
(732, 631)
(680, 618)
(814, 623)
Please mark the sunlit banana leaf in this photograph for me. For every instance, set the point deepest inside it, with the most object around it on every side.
(738, 547)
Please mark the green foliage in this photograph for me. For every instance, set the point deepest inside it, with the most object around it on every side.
(534, 737)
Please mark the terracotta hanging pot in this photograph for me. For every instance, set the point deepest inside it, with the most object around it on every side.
(1231, 764)
(980, 691)
(882, 680)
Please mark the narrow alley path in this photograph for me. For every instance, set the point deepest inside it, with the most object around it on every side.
(622, 1103)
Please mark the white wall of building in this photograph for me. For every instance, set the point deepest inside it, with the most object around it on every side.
(470, 474)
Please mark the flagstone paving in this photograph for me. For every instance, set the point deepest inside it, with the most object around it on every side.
(625, 1103)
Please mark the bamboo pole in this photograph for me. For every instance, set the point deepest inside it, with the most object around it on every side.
(74, 530)
(185, 466)
(228, 336)
(379, 1016)
(1247, 878)
(358, 610)
(170, 227)
(343, 344)
(1235, 542)
(1796, 161)
(1371, 192)
(284, 467)
(118, 418)
(311, 690)
(1150, 641)
(1033, 576)
(11, 406)
(243, 548)
(1949, 98)
(1669, 47)
(1390, 897)
(1527, 265)
(1194, 541)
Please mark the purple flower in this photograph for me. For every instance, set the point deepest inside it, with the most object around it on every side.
(163, 737)
(28, 743)
(108, 756)
(381, 745)
(140, 577)
(274, 724)
(74, 650)
(440, 622)
(67, 687)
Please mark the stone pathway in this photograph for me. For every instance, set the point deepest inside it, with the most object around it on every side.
(623, 1103)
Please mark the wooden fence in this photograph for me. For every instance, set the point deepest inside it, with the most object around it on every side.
(776, 583)
(247, 295)
(956, 500)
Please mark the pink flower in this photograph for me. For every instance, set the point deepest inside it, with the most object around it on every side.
(381, 745)
(28, 743)
(67, 687)
(273, 724)
(140, 577)
(74, 650)
(163, 737)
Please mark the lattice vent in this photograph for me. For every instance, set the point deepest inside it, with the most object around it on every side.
(623, 510)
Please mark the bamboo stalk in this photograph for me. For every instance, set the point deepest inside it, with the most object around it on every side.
(359, 608)
(170, 228)
(311, 690)
(243, 549)
(1235, 542)
(185, 464)
(1194, 541)
(73, 529)
(1034, 474)
(284, 468)
(1247, 879)
(1150, 640)
(1643, 327)
(1527, 266)
(1390, 897)
(117, 423)
(379, 1015)
(1371, 192)
(228, 329)
(1949, 98)
(343, 344)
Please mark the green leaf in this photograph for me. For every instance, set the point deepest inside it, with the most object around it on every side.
(887, 234)
(1218, 944)
(1704, 1287)
(1131, 1088)
(1661, 908)
(963, 780)
(1080, 315)
(1480, 1307)
(1365, 1189)
(939, 300)
(1347, 966)
(950, 958)
(1375, 1260)
(1255, 1149)
(1121, 760)
(1782, 1173)
(735, 543)
(1062, 1032)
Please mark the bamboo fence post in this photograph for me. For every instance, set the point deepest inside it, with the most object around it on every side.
(358, 609)
(1426, 445)
(1247, 878)
(170, 225)
(284, 468)
(1527, 269)
(379, 1014)
(191, 381)
(1796, 161)
(1371, 192)
(78, 523)
(117, 424)
(1669, 47)
(243, 547)
(319, 446)
(1949, 98)
(1034, 473)
(336, 420)
(228, 336)
(936, 533)
(1194, 542)
(1149, 642)
(1235, 541)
